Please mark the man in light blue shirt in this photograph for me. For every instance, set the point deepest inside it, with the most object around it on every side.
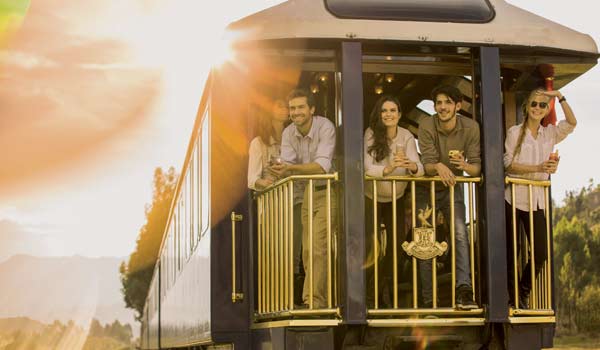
(307, 148)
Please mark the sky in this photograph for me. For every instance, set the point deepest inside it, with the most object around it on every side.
(95, 94)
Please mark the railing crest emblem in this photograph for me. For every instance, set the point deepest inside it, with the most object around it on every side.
(424, 246)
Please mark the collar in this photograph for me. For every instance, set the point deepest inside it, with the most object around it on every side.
(540, 131)
(311, 132)
(457, 127)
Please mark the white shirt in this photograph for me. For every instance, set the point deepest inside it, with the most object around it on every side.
(317, 146)
(375, 168)
(258, 159)
(533, 152)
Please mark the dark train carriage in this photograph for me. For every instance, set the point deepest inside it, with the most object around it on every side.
(225, 278)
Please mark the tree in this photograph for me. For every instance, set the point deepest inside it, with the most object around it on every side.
(576, 259)
(136, 274)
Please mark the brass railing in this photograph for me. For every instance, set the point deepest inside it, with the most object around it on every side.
(275, 249)
(450, 310)
(540, 298)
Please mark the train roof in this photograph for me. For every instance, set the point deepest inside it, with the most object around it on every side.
(507, 26)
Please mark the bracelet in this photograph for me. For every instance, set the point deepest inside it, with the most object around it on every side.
(562, 99)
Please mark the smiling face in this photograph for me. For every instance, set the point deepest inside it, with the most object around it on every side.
(301, 113)
(280, 111)
(390, 114)
(446, 108)
(537, 106)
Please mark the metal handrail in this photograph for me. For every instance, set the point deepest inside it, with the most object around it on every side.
(395, 311)
(541, 287)
(275, 273)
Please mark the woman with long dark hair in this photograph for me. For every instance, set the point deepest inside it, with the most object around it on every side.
(389, 150)
(528, 149)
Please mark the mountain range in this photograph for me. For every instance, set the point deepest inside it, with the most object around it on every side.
(63, 288)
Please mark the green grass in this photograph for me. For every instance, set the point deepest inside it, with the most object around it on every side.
(577, 342)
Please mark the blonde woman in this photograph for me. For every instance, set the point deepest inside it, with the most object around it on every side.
(528, 149)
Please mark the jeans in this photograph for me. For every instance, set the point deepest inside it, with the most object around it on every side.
(442, 203)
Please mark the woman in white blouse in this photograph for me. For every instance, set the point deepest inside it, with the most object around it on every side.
(527, 155)
(266, 146)
(389, 150)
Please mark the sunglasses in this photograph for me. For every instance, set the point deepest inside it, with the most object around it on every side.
(541, 104)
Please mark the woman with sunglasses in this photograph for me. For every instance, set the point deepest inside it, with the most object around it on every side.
(527, 155)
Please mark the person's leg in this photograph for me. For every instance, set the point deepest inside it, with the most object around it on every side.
(369, 257)
(525, 280)
(463, 260)
(510, 252)
(424, 266)
(539, 250)
(387, 271)
(319, 247)
(298, 268)
(540, 239)
(464, 292)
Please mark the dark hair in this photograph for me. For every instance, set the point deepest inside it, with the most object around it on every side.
(310, 99)
(265, 128)
(380, 148)
(451, 91)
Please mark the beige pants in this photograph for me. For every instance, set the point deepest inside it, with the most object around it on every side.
(319, 232)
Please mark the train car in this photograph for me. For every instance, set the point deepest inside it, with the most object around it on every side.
(224, 277)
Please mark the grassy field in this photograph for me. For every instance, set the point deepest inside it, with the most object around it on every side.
(577, 342)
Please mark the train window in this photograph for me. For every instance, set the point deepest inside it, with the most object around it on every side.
(205, 151)
(197, 205)
(177, 240)
(186, 209)
(459, 11)
(180, 233)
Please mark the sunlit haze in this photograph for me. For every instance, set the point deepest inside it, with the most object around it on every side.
(95, 94)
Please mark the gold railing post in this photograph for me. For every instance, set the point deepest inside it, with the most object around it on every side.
(282, 235)
(291, 239)
(532, 250)
(453, 245)
(271, 253)
(434, 260)
(276, 246)
(514, 233)
(395, 242)
(471, 237)
(413, 202)
(548, 251)
(375, 247)
(264, 253)
(329, 274)
(286, 249)
(310, 245)
(259, 251)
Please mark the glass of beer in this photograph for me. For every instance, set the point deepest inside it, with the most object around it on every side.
(554, 156)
